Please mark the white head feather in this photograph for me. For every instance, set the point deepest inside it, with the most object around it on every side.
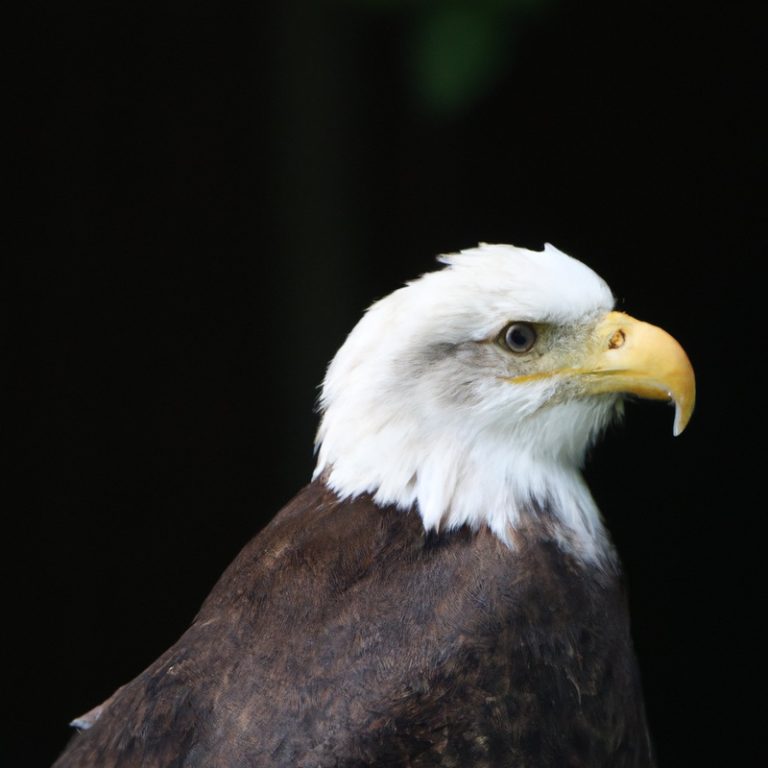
(418, 411)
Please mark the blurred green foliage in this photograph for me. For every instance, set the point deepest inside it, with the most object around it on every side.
(456, 49)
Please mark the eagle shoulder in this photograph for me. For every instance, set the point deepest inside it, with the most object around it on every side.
(343, 634)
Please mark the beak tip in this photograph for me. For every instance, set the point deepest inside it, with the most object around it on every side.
(682, 417)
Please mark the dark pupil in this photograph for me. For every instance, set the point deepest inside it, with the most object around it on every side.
(519, 337)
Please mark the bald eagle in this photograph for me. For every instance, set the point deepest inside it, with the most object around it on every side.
(443, 591)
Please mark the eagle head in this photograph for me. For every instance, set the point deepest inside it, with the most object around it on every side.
(473, 393)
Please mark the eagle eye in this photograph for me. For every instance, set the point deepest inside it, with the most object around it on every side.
(518, 337)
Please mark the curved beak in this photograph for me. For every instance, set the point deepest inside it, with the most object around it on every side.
(639, 359)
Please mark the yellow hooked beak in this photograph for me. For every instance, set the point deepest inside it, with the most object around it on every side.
(639, 359)
(636, 358)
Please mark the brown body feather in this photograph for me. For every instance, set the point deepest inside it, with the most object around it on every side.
(343, 635)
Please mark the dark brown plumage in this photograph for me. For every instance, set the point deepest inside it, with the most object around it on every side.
(344, 635)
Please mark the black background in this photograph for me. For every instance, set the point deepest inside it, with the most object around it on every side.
(209, 194)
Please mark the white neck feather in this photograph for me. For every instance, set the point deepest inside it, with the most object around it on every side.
(455, 476)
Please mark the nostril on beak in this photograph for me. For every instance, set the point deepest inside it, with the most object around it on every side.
(617, 340)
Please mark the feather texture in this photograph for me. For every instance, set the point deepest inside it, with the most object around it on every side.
(345, 635)
(417, 409)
